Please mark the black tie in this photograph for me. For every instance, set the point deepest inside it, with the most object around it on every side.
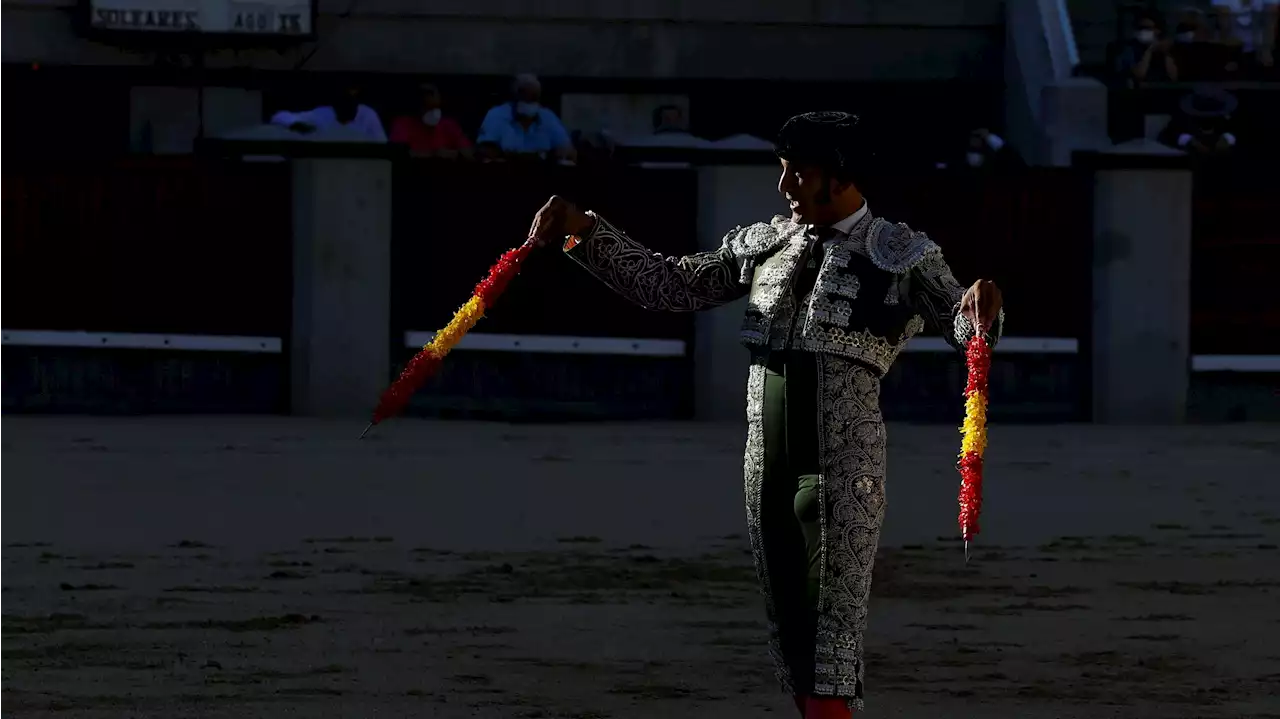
(811, 260)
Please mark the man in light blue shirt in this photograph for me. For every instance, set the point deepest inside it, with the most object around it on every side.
(524, 128)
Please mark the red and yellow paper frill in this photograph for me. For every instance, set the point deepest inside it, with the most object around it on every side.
(974, 441)
(427, 362)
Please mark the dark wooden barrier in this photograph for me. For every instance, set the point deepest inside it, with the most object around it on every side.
(1031, 232)
(1235, 253)
(1236, 233)
(152, 245)
(167, 246)
(193, 247)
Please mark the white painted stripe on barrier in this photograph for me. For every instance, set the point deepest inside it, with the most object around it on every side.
(1024, 345)
(138, 341)
(1235, 363)
(1050, 345)
(553, 344)
(559, 345)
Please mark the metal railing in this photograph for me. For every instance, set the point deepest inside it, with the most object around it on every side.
(1062, 43)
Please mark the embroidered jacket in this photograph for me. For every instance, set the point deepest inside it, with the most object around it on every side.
(875, 289)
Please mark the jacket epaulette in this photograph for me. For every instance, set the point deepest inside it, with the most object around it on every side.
(749, 243)
(759, 238)
(897, 248)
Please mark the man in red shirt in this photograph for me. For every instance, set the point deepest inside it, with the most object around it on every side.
(430, 134)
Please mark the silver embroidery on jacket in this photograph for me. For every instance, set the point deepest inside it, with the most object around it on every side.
(753, 478)
(896, 248)
(825, 327)
(852, 445)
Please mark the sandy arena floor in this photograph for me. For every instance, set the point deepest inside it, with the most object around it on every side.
(272, 567)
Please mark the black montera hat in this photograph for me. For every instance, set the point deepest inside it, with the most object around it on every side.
(828, 139)
(1208, 101)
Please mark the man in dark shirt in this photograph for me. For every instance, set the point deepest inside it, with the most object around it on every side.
(1196, 56)
(1202, 126)
(1145, 56)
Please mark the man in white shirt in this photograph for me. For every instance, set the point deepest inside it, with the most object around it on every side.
(1251, 25)
(346, 111)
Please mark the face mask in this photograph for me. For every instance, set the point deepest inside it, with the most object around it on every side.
(431, 117)
(1146, 36)
(1187, 36)
(527, 109)
(975, 159)
(345, 109)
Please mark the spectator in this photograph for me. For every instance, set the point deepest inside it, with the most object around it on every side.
(988, 152)
(1202, 127)
(522, 128)
(1196, 57)
(430, 133)
(594, 148)
(669, 118)
(1250, 26)
(1146, 57)
(670, 129)
(345, 110)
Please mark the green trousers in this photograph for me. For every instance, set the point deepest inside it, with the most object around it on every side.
(790, 505)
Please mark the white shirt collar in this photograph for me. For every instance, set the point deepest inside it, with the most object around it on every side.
(845, 226)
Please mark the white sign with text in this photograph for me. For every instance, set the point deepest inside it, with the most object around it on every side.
(257, 17)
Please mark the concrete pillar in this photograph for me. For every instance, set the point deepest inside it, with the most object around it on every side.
(1141, 287)
(340, 346)
(728, 195)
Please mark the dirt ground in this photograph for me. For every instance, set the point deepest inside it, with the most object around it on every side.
(275, 567)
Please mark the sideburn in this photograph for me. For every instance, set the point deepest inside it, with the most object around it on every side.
(823, 196)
